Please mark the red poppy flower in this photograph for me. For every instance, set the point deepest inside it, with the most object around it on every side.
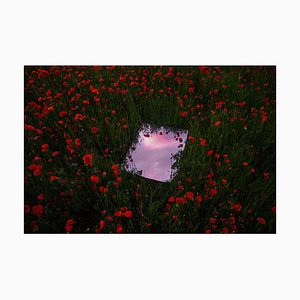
(209, 152)
(192, 139)
(184, 113)
(245, 164)
(218, 123)
(116, 169)
(199, 199)
(27, 209)
(203, 142)
(103, 189)
(94, 178)
(53, 178)
(237, 207)
(118, 214)
(45, 147)
(261, 220)
(102, 224)
(171, 199)
(212, 220)
(88, 159)
(37, 172)
(62, 113)
(189, 195)
(180, 200)
(119, 228)
(232, 220)
(225, 230)
(34, 167)
(40, 197)
(38, 210)
(69, 225)
(77, 142)
(94, 129)
(128, 214)
(213, 192)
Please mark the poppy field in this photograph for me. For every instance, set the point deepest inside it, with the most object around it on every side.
(80, 121)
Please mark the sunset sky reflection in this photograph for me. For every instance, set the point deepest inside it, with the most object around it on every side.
(152, 155)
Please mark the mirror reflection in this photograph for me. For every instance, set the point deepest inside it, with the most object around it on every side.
(154, 153)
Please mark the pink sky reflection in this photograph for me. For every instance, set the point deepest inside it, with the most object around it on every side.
(152, 155)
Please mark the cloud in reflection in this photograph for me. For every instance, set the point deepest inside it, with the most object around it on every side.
(153, 155)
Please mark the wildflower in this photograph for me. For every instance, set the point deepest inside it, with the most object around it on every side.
(171, 199)
(119, 228)
(69, 225)
(184, 113)
(213, 192)
(218, 123)
(103, 189)
(237, 207)
(45, 147)
(88, 159)
(38, 210)
(94, 178)
(53, 178)
(36, 169)
(180, 200)
(189, 195)
(128, 214)
(118, 214)
(203, 142)
(199, 199)
(77, 142)
(102, 224)
(40, 196)
(116, 169)
(94, 129)
(232, 220)
(209, 152)
(62, 113)
(261, 220)
(27, 209)
(192, 139)
(245, 164)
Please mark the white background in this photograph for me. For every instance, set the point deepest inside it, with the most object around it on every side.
(149, 266)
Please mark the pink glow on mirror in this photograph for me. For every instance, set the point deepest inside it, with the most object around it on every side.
(152, 156)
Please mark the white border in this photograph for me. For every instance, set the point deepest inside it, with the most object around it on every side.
(149, 266)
